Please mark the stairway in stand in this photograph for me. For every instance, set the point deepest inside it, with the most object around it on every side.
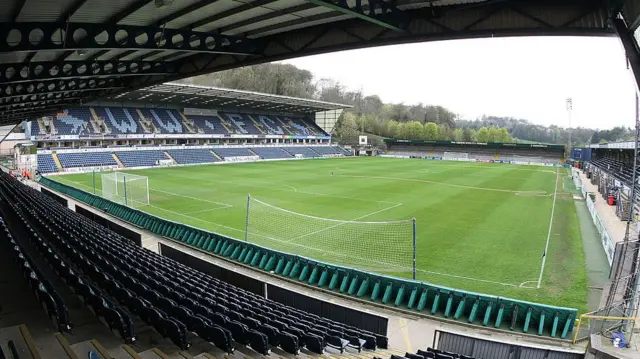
(57, 161)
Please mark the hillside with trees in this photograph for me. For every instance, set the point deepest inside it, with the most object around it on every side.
(397, 120)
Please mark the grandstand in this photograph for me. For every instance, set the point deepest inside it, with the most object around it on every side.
(517, 153)
(130, 131)
(127, 284)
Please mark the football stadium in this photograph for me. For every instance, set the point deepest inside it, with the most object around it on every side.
(143, 216)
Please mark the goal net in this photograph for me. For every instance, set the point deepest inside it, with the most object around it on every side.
(455, 156)
(125, 188)
(528, 159)
(373, 246)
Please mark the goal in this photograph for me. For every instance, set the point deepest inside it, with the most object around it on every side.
(125, 188)
(527, 159)
(387, 247)
(456, 156)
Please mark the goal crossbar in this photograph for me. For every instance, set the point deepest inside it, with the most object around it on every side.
(126, 188)
(379, 246)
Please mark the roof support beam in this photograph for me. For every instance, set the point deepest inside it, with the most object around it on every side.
(55, 86)
(17, 9)
(631, 48)
(26, 73)
(116, 18)
(135, 38)
(379, 12)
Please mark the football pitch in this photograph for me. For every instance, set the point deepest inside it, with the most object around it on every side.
(479, 226)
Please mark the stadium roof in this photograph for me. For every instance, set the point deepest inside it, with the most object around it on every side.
(60, 53)
(219, 98)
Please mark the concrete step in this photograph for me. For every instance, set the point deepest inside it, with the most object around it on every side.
(132, 353)
(205, 356)
(154, 353)
(17, 340)
(82, 350)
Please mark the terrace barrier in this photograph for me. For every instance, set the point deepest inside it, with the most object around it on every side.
(401, 294)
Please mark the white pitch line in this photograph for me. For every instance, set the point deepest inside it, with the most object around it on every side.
(293, 188)
(224, 205)
(315, 249)
(208, 210)
(444, 184)
(546, 246)
(189, 197)
(343, 223)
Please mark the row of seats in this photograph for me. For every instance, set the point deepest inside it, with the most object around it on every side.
(141, 158)
(148, 158)
(127, 120)
(46, 163)
(192, 156)
(42, 288)
(270, 153)
(225, 152)
(618, 169)
(86, 159)
(173, 298)
(430, 353)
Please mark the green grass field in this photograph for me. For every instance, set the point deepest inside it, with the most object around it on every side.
(480, 227)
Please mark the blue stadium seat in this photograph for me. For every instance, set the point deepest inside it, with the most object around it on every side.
(143, 158)
(271, 153)
(225, 152)
(303, 151)
(46, 164)
(192, 156)
(168, 121)
(86, 159)
(242, 124)
(121, 121)
(73, 122)
(209, 124)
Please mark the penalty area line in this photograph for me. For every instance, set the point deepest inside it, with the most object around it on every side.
(208, 210)
(345, 222)
(193, 198)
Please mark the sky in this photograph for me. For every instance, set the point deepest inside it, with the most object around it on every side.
(522, 77)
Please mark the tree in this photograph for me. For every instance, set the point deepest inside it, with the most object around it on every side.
(288, 80)
(346, 127)
(494, 134)
(504, 136)
(468, 134)
(458, 134)
(430, 131)
(392, 129)
(483, 135)
(414, 130)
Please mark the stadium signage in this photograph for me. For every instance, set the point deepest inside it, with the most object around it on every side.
(466, 143)
(161, 136)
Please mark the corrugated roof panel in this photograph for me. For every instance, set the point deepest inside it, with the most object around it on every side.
(12, 57)
(257, 11)
(285, 27)
(203, 12)
(150, 14)
(280, 20)
(97, 11)
(42, 10)
(46, 55)
(6, 7)
(162, 54)
(138, 54)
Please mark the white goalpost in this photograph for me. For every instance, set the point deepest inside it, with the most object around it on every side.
(125, 188)
(456, 156)
(528, 159)
(388, 246)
